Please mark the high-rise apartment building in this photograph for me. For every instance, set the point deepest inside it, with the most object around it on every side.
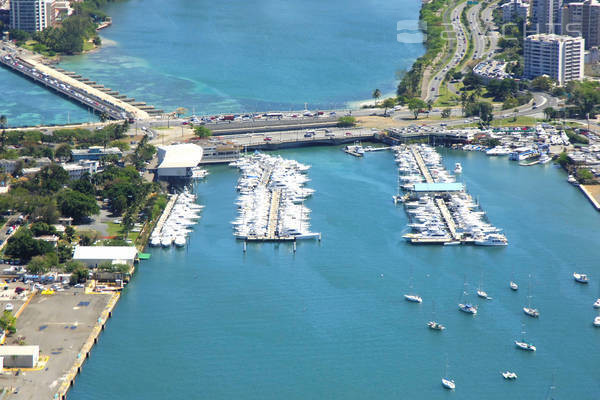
(545, 15)
(582, 19)
(515, 9)
(31, 15)
(559, 57)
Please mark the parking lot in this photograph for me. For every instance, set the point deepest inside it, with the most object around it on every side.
(60, 324)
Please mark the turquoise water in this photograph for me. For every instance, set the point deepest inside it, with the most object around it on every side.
(330, 322)
(242, 56)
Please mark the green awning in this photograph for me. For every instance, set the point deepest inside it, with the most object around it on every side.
(144, 256)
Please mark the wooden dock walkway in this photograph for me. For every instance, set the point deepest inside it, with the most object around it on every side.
(273, 214)
(447, 218)
(419, 159)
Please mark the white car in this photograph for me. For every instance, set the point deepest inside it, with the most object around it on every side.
(8, 307)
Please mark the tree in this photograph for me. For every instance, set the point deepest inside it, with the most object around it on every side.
(446, 112)
(38, 266)
(416, 105)
(388, 103)
(118, 205)
(69, 233)
(543, 83)
(549, 113)
(202, 132)
(181, 111)
(3, 121)
(63, 152)
(376, 95)
(77, 205)
(79, 274)
(8, 322)
(429, 105)
(22, 245)
(346, 122)
(104, 117)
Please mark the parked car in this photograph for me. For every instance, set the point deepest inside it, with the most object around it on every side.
(8, 307)
(267, 139)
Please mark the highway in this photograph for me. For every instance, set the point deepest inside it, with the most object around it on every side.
(433, 89)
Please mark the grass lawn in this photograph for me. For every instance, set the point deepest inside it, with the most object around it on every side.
(520, 121)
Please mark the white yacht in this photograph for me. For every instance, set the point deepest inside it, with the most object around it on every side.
(483, 294)
(413, 298)
(435, 326)
(513, 286)
(572, 180)
(155, 241)
(457, 168)
(180, 241)
(448, 384)
(597, 321)
(509, 375)
(493, 239)
(166, 241)
(525, 346)
(597, 303)
(532, 312)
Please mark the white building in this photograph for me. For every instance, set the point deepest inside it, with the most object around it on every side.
(31, 15)
(77, 170)
(20, 356)
(93, 256)
(559, 57)
(515, 9)
(178, 160)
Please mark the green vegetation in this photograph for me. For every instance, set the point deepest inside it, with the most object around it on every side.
(585, 176)
(8, 322)
(430, 16)
(117, 268)
(22, 245)
(73, 34)
(576, 138)
(585, 97)
(416, 106)
(346, 121)
(202, 132)
(563, 159)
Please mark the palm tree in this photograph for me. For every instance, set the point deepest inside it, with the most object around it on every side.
(549, 113)
(376, 95)
(3, 121)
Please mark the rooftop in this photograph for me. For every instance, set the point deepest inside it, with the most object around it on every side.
(107, 253)
(184, 155)
(18, 350)
(439, 187)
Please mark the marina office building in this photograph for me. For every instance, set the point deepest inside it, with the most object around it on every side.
(178, 161)
(559, 57)
(31, 15)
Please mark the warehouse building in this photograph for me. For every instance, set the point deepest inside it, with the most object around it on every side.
(20, 356)
(93, 256)
(178, 160)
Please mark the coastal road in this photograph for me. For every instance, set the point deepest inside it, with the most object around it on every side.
(433, 89)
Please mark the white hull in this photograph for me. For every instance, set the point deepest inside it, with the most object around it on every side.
(525, 346)
(448, 384)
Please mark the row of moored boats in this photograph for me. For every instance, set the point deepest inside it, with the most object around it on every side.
(178, 225)
(271, 200)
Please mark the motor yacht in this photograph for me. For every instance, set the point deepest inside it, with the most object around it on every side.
(597, 303)
(180, 241)
(509, 375)
(525, 346)
(513, 286)
(597, 321)
(448, 384)
(468, 308)
(532, 312)
(458, 168)
(435, 326)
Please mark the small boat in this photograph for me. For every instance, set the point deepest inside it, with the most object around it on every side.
(155, 241)
(452, 243)
(545, 158)
(483, 294)
(166, 241)
(532, 312)
(413, 298)
(522, 344)
(597, 303)
(435, 326)
(597, 321)
(581, 278)
(513, 286)
(525, 346)
(468, 308)
(509, 375)
(457, 168)
(529, 310)
(448, 384)
(572, 180)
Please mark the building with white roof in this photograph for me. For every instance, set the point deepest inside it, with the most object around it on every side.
(93, 256)
(178, 160)
(20, 356)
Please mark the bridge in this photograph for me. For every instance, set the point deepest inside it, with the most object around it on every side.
(86, 92)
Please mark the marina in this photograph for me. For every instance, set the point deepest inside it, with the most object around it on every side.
(439, 209)
(174, 225)
(271, 201)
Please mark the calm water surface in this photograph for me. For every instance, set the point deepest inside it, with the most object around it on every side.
(330, 322)
(234, 56)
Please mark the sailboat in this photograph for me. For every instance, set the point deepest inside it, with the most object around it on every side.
(433, 324)
(532, 312)
(480, 292)
(513, 285)
(597, 302)
(522, 344)
(414, 298)
(467, 307)
(448, 383)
